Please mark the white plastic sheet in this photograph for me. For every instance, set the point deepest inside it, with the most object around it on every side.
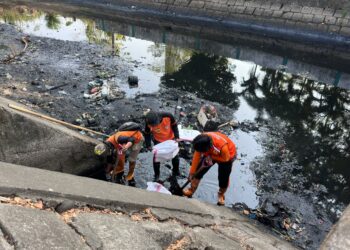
(156, 187)
(165, 151)
(187, 134)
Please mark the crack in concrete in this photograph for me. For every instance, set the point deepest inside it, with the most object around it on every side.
(242, 240)
(82, 236)
(7, 236)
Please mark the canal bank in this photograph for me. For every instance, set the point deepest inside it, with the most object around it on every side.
(261, 98)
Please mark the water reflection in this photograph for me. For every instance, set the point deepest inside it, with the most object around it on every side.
(53, 22)
(318, 117)
(207, 75)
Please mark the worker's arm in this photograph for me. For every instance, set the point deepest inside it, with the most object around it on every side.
(174, 127)
(195, 162)
(125, 139)
(224, 155)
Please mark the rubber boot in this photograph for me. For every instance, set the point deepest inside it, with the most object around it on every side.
(156, 168)
(190, 191)
(176, 163)
(132, 183)
(119, 178)
(221, 196)
(118, 172)
(130, 175)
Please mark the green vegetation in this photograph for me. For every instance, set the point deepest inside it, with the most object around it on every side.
(19, 14)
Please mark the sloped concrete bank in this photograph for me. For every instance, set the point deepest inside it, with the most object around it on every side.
(34, 142)
(66, 211)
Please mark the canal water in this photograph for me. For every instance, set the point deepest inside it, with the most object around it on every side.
(299, 119)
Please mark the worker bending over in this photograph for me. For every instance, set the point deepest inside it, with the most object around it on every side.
(217, 148)
(162, 126)
(122, 142)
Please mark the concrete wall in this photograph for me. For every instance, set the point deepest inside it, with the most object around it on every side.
(320, 15)
(36, 143)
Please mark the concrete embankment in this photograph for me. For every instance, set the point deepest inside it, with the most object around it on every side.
(109, 216)
(34, 142)
(324, 23)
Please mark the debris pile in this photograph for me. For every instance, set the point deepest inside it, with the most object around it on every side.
(275, 216)
(103, 90)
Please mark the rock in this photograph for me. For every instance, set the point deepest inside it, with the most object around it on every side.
(185, 218)
(62, 92)
(269, 208)
(64, 206)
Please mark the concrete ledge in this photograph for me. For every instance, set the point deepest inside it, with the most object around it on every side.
(19, 180)
(202, 224)
(338, 237)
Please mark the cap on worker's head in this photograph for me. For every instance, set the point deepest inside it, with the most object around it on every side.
(202, 143)
(100, 149)
(152, 118)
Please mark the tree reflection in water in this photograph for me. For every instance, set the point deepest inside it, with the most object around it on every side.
(319, 116)
(206, 75)
(53, 21)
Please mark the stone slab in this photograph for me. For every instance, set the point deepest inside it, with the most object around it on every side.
(103, 231)
(37, 229)
(164, 233)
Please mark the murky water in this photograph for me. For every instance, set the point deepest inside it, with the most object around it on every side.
(298, 97)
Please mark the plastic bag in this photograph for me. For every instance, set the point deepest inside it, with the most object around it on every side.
(156, 187)
(165, 151)
(187, 134)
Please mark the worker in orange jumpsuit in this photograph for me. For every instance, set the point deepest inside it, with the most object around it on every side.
(162, 126)
(121, 143)
(216, 148)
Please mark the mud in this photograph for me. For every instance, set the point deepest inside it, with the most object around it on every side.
(47, 63)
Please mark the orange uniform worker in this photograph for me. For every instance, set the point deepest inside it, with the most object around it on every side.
(122, 142)
(219, 149)
(162, 126)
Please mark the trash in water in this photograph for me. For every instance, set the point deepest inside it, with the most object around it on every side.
(133, 81)
(157, 187)
(187, 133)
(207, 113)
(102, 89)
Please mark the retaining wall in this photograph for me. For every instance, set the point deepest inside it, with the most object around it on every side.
(34, 142)
(324, 16)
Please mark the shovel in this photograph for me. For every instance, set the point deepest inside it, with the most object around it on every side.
(176, 189)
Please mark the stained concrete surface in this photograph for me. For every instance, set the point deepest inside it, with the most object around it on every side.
(36, 229)
(127, 229)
